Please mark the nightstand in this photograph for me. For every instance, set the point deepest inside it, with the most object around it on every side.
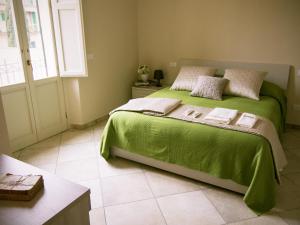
(143, 91)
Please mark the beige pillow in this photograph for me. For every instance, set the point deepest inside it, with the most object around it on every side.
(188, 75)
(244, 83)
(209, 87)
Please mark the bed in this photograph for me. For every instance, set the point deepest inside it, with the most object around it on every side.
(237, 161)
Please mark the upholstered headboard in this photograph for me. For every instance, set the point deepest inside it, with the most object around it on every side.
(276, 73)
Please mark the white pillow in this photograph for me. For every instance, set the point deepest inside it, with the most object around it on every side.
(188, 75)
(244, 83)
(209, 87)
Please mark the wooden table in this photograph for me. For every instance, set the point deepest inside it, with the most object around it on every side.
(59, 202)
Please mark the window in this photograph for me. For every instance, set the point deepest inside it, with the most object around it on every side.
(69, 35)
(40, 38)
(7, 25)
(53, 52)
(11, 66)
(2, 16)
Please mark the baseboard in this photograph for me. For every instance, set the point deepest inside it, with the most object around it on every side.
(292, 126)
(89, 124)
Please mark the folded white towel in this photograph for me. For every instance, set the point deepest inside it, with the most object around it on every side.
(150, 106)
(247, 120)
(222, 115)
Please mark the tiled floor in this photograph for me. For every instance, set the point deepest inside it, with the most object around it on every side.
(124, 192)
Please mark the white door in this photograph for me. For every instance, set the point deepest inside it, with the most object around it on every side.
(31, 90)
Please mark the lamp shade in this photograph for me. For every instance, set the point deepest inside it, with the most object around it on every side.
(158, 74)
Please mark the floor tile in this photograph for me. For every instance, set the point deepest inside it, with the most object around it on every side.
(75, 155)
(295, 152)
(39, 156)
(229, 204)
(97, 217)
(77, 136)
(292, 131)
(79, 170)
(136, 213)
(125, 188)
(97, 141)
(96, 195)
(165, 183)
(117, 166)
(267, 219)
(49, 142)
(288, 196)
(290, 141)
(16, 154)
(189, 208)
(297, 132)
(294, 178)
(97, 132)
(76, 152)
(97, 145)
(100, 125)
(48, 167)
(291, 217)
(293, 163)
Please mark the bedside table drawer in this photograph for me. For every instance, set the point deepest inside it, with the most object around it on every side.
(138, 92)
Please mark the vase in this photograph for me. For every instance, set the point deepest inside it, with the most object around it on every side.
(145, 77)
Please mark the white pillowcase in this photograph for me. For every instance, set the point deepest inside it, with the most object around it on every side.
(244, 83)
(209, 87)
(188, 75)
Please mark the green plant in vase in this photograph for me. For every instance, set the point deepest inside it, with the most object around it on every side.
(144, 72)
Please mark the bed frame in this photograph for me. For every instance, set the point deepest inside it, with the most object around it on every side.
(180, 170)
(276, 73)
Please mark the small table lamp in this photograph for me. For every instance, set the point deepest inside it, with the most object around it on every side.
(158, 75)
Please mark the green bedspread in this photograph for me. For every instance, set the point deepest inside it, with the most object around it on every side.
(242, 157)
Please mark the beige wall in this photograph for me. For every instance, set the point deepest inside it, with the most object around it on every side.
(266, 31)
(73, 101)
(111, 39)
(119, 34)
(4, 140)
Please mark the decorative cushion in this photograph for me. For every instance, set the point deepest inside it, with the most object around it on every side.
(209, 87)
(188, 75)
(244, 83)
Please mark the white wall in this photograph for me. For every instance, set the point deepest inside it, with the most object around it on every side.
(122, 33)
(266, 31)
(4, 141)
(111, 40)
